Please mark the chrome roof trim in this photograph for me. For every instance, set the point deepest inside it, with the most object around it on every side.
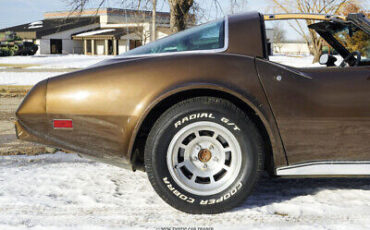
(308, 16)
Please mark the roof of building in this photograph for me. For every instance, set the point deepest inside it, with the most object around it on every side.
(102, 34)
(55, 22)
(38, 29)
(293, 42)
(129, 15)
(102, 11)
(95, 32)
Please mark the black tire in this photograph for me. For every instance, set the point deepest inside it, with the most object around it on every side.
(238, 123)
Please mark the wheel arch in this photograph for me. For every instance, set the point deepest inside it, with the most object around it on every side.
(146, 123)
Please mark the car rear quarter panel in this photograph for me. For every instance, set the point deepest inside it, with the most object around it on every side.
(109, 103)
(323, 114)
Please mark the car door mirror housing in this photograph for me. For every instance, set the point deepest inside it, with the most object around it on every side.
(327, 59)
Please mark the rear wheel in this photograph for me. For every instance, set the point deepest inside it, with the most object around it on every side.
(203, 155)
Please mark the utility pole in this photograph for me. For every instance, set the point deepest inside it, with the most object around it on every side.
(154, 17)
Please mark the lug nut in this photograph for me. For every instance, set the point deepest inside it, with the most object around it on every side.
(204, 166)
(211, 147)
(195, 158)
(215, 159)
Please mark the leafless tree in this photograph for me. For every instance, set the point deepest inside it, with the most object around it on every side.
(154, 23)
(141, 8)
(315, 43)
(237, 6)
(181, 11)
(278, 36)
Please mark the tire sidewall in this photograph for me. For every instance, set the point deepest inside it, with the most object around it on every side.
(178, 118)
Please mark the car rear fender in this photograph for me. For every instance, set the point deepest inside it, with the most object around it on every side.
(242, 99)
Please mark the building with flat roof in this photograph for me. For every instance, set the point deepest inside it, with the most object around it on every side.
(291, 47)
(106, 31)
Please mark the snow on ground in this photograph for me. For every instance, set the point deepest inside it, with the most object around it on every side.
(63, 191)
(299, 61)
(26, 72)
(61, 62)
(25, 78)
(53, 61)
(296, 61)
(82, 61)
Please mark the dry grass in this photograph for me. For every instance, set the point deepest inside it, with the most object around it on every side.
(14, 90)
(17, 66)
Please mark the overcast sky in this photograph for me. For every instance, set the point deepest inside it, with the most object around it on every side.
(15, 12)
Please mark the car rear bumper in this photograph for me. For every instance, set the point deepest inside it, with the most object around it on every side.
(23, 134)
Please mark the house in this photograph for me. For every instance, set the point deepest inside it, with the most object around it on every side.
(107, 31)
(291, 48)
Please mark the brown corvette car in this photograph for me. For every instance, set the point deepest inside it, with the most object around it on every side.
(205, 111)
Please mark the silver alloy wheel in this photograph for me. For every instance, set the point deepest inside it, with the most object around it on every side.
(204, 158)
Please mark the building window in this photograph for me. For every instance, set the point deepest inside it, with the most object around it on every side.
(134, 44)
(88, 46)
(56, 46)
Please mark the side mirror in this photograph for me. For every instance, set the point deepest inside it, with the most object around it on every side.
(327, 59)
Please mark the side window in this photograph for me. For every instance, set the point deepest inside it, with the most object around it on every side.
(210, 36)
(286, 46)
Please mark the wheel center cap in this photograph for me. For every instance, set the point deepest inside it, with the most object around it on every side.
(204, 155)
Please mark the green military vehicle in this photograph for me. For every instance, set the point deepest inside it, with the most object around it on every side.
(11, 44)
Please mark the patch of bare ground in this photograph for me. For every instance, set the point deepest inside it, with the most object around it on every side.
(18, 91)
(9, 144)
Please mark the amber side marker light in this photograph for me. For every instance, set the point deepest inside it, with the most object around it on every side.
(62, 124)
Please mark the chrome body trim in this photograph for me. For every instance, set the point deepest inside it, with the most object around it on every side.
(327, 168)
(311, 16)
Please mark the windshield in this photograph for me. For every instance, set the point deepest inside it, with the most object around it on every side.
(353, 39)
(210, 36)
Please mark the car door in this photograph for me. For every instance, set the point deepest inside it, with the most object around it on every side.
(323, 114)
